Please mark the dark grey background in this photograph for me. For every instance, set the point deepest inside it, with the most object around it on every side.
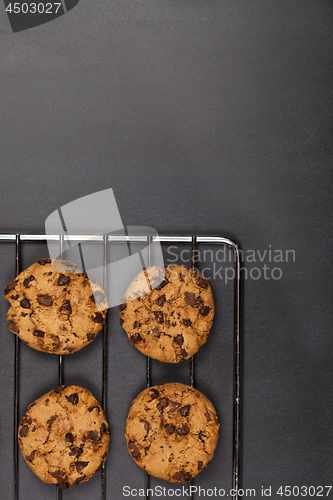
(206, 117)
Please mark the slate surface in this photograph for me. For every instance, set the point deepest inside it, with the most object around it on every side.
(205, 117)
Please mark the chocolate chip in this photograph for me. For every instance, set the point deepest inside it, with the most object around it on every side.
(69, 349)
(173, 406)
(179, 339)
(202, 436)
(203, 283)
(162, 404)
(10, 286)
(162, 285)
(182, 277)
(24, 431)
(204, 310)
(80, 479)
(98, 297)
(30, 457)
(207, 415)
(25, 303)
(154, 393)
(42, 262)
(27, 281)
(81, 465)
(154, 282)
(163, 271)
(182, 477)
(66, 307)
(50, 422)
(156, 332)
(134, 450)
(190, 299)
(174, 323)
(92, 408)
(93, 435)
(59, 389)
(102, 428)
(98, 318)
(159, 316)
(182, 431)
(91, 336)
(136, 338)
(169, 429)
(73, 398)
(185, 410)
(200, 465)
(24, 314)
(122, 307)
(59, 475)
(14, 297)
(137, 324)
(187, 322)
(75, 452)
(146, 425)
(12, 327)
(160, 301)
(45, 300)
(63, 280)
(39, 333)
(184, 353)
(69, 438)
(46, 402)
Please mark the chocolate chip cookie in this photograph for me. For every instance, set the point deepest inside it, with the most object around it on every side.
(172, 320)
(55, 311)
(172, 431)
(64, 436)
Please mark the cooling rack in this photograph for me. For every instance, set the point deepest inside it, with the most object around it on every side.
(106, 240)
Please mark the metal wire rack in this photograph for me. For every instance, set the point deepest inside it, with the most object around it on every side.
(19, 239)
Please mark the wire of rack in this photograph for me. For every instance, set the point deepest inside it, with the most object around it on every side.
(106, 240)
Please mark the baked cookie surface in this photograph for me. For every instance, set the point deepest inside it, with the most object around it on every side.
(64, 436)
(172, 431)
(55, 311)
(169, 322)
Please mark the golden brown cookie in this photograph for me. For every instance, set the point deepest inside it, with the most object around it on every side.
(172, 431)
(55, 310)
(169, 322)
(64, 436)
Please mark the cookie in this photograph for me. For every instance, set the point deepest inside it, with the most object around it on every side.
(55, 311)
(172, 431)
(172, 320)
(64, 436)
